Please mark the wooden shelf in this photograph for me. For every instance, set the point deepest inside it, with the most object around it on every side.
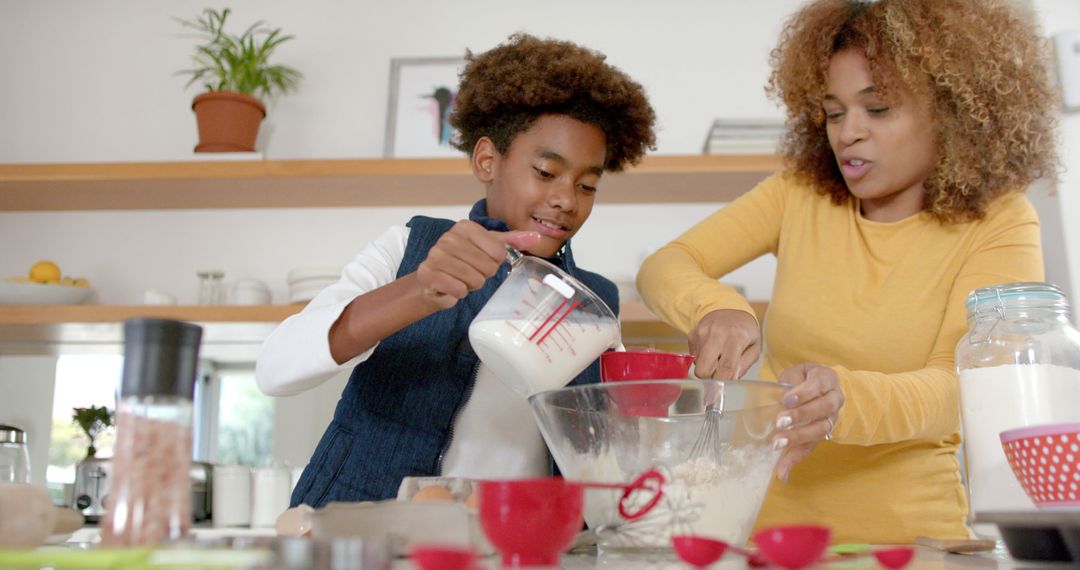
(229, 332)
(330, 183)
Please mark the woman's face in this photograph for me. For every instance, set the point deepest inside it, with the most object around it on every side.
(546, 181)
(885, 149)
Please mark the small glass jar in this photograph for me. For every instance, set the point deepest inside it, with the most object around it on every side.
(14, 456)
(211, 287)
(150, 492)
(1019, 365)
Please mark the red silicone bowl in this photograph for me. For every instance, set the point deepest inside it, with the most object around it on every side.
(531, 522)
(651, 400)
(1046, 461)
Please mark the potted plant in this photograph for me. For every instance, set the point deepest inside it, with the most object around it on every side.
(235, 70)
(93, 421)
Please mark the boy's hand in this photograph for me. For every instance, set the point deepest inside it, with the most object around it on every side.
(813, 403)
(463, 259)
(725, 344)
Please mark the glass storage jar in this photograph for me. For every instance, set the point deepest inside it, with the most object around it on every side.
(1019, 365)
(211, 287)
(14, 456)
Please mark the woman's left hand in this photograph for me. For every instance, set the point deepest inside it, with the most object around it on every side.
(812, 406)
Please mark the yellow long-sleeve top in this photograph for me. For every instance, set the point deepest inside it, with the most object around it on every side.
(883, 305)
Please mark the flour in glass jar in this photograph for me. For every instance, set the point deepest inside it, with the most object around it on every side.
(999, 398)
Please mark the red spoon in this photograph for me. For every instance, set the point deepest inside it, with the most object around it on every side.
(700, 551)
(443, 558)
(893, 557)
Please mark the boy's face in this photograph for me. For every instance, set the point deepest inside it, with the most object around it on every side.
(546, 181)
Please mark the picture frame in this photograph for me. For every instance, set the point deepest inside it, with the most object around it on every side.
(421, 93)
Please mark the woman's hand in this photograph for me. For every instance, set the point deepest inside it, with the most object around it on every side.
(463, 259)
(812, 407)
(725, 344)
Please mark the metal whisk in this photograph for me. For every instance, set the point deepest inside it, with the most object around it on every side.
(707, 445)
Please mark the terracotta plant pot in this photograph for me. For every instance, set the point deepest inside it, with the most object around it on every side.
(228, 121)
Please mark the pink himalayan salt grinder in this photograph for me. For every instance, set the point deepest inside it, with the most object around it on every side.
(150, 493)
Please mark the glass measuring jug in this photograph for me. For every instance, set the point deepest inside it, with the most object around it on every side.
(542, 327)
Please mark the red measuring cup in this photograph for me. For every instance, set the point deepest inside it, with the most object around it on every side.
(646, 400)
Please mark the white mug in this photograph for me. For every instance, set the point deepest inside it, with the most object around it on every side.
(232, 496)
(270, 493)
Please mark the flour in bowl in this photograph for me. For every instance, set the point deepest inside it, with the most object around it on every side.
(701, 497)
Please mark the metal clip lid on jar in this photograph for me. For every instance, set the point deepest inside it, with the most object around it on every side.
(12, 434)
(1024, 303)
(999, 298)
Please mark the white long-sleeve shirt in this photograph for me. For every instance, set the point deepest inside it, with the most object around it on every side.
(494, 434)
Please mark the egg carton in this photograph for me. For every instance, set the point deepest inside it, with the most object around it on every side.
(460, 487)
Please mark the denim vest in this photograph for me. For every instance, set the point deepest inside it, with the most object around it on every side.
(396, 415)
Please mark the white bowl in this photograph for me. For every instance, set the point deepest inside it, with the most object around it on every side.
(41, 294)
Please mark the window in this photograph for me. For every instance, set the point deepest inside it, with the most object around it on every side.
(245, 420)
(233, 421)
(81, 381)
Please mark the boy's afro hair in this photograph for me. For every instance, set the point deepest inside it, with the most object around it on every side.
(504, 90)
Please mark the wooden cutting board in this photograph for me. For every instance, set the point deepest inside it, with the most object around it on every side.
(957, 546)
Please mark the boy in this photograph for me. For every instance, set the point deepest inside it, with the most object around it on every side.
(541, 120)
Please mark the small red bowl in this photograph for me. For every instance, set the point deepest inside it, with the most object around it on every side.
(649, 400)
(1046, 461)
(793, 547)
(436, 557)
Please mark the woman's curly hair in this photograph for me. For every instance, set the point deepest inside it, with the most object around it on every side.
(504, 90)
(981, 66)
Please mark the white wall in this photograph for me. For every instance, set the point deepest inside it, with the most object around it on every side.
(93, 81)
(26, 383)
(1056, 16)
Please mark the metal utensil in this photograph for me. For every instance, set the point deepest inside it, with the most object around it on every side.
(707, 445)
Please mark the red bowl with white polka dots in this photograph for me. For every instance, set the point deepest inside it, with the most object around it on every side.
(1046, 461)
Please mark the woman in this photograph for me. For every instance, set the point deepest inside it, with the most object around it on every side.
(913, 128)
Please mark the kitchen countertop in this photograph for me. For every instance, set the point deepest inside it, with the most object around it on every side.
(926, 558)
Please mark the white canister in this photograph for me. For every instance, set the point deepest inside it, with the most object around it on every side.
(270, 493)
(232, 496)
(297, 472)
(249, 292)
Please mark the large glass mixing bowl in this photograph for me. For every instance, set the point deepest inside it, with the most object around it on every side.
(613, 431)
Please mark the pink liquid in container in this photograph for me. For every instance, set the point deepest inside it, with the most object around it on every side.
(150, 494)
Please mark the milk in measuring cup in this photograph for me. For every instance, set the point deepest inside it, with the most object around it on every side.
(528, 367)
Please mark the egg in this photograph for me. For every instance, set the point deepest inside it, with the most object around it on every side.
(473, 502)
(433, 493)
(294, 522)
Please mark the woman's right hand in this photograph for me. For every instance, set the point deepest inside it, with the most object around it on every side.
(463, 259)
(725, 344)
